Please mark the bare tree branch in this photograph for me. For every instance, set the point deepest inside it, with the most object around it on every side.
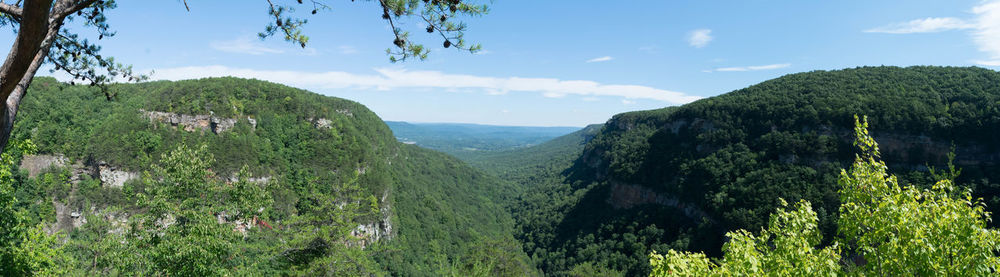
(11, 10)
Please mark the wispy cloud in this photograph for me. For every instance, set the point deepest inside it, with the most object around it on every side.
(627, 102)
(983, 28)
(700, 38)
(925, 25)
(750, 68)
(987, 32)
(244, 45)
(600, 59)
(388, 79)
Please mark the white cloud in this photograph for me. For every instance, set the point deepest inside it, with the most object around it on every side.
(700, 38)
(984, 29)
(627, 102)
(600, 59)
(987, 62)
(925, 25)
(387, 79)
(987, 32)
(243, 45)
(752, 67)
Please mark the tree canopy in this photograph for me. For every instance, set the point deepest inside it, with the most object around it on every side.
(312, 182)
(681, 177)
(885, 229)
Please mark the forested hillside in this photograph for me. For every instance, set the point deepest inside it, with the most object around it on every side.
(228, 176)
(680, 177)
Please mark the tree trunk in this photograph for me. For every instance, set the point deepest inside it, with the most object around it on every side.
(8, 109)
(33, 28)
(34, 37)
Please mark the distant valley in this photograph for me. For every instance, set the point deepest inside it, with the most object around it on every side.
(463, 139)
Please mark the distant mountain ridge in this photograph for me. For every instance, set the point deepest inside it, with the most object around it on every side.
(460, 139)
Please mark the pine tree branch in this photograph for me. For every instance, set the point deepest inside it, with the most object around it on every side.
(65, 8)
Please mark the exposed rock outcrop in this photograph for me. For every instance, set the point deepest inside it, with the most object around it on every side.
(322, 123)
(259, 180)
(379, 229)
(67, 218)
(191, 123)
(35, 164)
(113, 176)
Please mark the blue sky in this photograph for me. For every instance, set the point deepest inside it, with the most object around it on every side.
(553, 63)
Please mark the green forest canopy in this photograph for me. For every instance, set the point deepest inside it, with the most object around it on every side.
(316, 154)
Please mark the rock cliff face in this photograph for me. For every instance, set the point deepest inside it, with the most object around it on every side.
(114, 177)
(35, 164)
(380, 229)
(110, 176)
(191, 123)
(68, 219)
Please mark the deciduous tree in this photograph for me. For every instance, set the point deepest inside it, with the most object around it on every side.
(885, 229)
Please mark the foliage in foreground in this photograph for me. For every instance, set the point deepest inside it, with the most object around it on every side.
(884, 229)
(25, 248)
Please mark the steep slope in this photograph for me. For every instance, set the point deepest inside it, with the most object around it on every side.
(305, 150)
(446, 209)
(508, 164)
(680, 177)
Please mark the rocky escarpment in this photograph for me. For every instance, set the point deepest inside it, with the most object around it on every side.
(191, 123)
(379, 229)
(217, 125)
(68, 218)
(115, 177)
(35, 164)
(110, 176)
